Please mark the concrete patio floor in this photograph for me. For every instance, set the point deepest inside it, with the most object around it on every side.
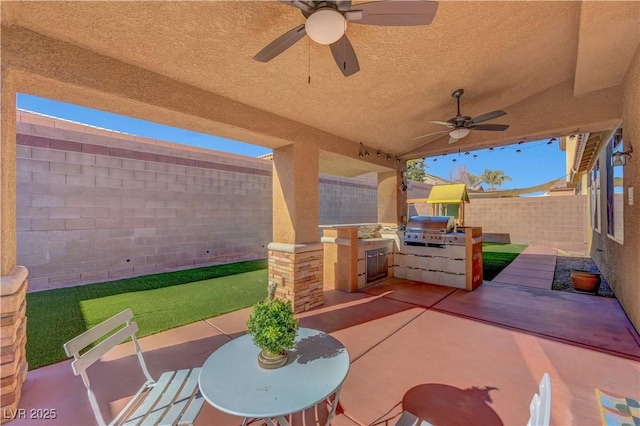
(450, 356)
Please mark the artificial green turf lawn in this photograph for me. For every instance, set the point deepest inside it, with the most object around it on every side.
(497, 256)
(159, 302)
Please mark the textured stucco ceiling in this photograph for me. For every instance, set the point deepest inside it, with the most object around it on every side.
(538, 61)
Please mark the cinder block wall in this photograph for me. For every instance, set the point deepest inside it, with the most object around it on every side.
(348, 200)
(557, 222)
(96, 205)
(95, 208)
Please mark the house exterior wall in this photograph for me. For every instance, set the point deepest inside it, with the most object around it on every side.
(620, 262)
(558, 222)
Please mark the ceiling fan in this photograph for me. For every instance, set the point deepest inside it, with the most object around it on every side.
(326, 23)
(460, 125)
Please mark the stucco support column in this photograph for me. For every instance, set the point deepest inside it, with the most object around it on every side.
(13, 279)
(295, 255)
(392, 198)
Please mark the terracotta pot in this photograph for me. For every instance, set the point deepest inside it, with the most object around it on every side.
(585, 281)
(270, 361)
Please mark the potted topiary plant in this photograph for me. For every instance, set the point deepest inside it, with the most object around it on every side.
(273, 329)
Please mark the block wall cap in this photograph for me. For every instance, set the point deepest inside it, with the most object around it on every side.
(295, 248)
(11, 283)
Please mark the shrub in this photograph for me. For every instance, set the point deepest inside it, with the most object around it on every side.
(272, 326)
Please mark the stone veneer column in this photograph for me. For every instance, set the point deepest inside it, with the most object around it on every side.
(13, 339)
(295, 255)
(13, 279)
(297, 270)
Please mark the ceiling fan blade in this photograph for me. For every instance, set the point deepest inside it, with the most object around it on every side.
(345, 56)
(492, 127)
(453, 140)
(444, 123)
(299, 4)
(394, 13)
(488, 116)
(431, 134)
(280, 44)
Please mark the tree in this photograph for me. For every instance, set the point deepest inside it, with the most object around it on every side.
(462, 175)
(493, 178)
(415, 170)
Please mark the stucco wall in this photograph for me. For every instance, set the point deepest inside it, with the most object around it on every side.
(620, 263)
(557, 222)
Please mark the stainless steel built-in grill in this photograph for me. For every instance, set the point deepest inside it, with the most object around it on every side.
(436, 231)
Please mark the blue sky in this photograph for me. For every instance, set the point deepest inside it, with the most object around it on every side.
(536, 163)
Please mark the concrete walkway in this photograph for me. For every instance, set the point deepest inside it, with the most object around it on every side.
(451, 356)
(534, 267)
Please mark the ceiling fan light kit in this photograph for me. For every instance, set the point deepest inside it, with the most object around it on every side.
(326, 26)
(459, 133)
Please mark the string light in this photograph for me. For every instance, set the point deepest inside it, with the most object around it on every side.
(508, 147)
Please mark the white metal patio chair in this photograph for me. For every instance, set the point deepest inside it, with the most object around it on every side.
(173, 399)
(540, 407)
(409, 419)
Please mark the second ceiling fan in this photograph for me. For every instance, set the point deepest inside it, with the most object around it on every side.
(461, 125)
(326, 23)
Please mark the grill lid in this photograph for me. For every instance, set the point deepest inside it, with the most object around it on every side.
(443, 224)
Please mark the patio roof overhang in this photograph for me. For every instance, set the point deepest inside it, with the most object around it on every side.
(554, 67)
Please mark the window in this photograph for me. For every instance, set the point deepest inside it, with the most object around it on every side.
(615, 196)
(594, 192)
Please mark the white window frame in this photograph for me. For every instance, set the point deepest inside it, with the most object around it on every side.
(595, 176)
(614, 145)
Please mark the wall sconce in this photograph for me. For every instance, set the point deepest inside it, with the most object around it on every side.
(620, 158)
(379, 153)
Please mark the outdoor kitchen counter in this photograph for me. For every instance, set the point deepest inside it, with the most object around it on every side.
(458, 266)
(344, 265)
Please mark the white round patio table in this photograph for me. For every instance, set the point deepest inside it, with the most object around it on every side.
(232, 381)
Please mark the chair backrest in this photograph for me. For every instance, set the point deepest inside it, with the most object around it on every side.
(545, 400)
(126, 328)
(540, 407)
